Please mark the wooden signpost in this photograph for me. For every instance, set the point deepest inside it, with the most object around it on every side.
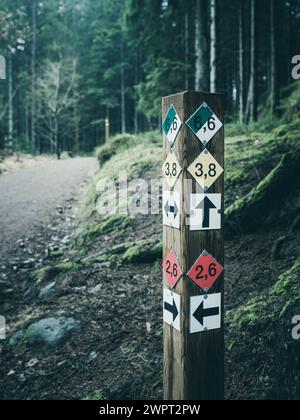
(193, 247)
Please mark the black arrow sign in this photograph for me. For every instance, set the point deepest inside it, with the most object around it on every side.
(206, 205)
(171, 308)
(171, 209)
(202, 313)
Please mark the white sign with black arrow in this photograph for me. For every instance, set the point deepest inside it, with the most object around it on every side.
(171, 209)
(206, 211)
(205, 313)
(172, 309)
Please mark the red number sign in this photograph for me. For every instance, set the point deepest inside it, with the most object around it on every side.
(172, 269)
(205, 271)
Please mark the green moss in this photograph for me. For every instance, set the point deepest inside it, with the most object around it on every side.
(68, 266)
(95, 396)
(122, 142)
(143, 252)
(261, 351)
(117, 143)
(114, 221)
(86, 234)
(272, 305)
(46, 273)
(259, 206)
(56, 254)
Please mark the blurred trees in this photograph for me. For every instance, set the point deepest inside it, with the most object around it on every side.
(116, 59)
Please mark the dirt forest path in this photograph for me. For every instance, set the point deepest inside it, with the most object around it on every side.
(29, 195)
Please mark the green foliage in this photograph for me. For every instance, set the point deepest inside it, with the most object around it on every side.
(143, 252)
(165, 77)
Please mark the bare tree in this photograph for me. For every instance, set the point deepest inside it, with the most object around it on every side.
(55, 93)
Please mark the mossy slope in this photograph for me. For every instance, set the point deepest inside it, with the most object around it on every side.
(259, 341)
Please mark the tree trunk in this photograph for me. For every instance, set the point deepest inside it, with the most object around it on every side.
(274, 86)
(75, 111)
(10, 104)
(253, 71)
(186, 49)
(136, 110)
(33, 79)
(213, 46)
(201, 47)
(123, 105)
(241, 63)
(56, 139)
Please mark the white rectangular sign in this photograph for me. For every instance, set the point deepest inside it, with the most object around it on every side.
(171, 209)
(205, 313)
(172, 309)
(206, 212)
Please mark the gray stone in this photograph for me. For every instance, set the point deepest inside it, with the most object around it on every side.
(47, 290)
(50, 332)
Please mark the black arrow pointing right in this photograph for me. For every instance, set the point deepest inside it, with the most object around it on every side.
(171, 308)
(202, 313)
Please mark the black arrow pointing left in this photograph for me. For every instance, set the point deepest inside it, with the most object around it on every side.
(172, 309)
(202, 313)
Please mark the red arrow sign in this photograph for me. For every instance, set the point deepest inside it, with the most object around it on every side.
(205, 271)
(172, 269)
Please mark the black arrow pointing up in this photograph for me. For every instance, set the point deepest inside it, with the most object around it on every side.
(171, 308)
(171, 209)
(207, 205)
(202, 313)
